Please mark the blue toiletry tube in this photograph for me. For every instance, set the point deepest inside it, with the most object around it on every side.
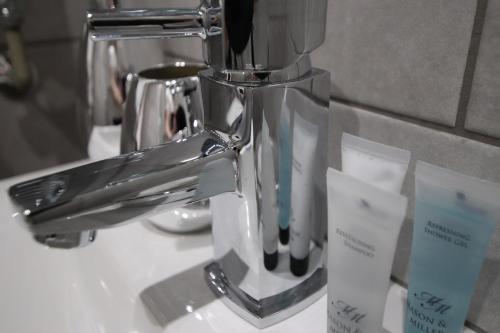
(455, 216)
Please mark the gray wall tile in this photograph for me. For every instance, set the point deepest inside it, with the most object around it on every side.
(53, 19)
(403, 56)
(39, 129)
(483, 113)
(463, 155)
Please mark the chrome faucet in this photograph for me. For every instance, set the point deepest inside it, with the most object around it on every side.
(106, 68)
(261, 158)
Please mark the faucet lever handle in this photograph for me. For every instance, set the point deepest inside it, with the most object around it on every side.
(114, 24)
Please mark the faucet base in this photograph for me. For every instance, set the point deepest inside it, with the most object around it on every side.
(270, 310)
(262, 121)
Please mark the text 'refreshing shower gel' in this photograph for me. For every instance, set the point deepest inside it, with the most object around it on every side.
(375, 163)
(455, 216)
(363, 227)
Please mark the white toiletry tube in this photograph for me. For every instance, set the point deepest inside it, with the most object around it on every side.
(363, 228)
(305, 138)
(375, 163)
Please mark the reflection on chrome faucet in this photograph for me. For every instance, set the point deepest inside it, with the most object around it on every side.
(260, 75)
(305, 139)
(269, 200)
(284, 175)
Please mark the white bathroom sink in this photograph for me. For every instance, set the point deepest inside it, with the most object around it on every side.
(132, 279)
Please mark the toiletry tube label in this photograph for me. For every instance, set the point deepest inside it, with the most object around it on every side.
(455, 216)
(363, 228)
(305, 137)
(378, 164)
(268, 194)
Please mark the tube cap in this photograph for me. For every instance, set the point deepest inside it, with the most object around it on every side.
(284, 235)
(299, 266)
(270, 260)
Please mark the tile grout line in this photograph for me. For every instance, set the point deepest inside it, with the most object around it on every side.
(470, 67)
(420, 122)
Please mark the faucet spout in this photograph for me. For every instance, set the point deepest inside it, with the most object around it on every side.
(110, 192)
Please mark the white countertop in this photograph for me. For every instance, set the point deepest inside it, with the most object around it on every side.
(133, 279)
